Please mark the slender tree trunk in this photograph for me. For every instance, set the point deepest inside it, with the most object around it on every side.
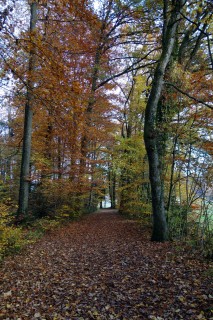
(101, 43)
(27, 136)
(160, 230)
(171, 186)
(85, 141)
(113, 191)
(59, 158)
(112, 187)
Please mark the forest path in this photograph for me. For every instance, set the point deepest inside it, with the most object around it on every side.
(103, 267)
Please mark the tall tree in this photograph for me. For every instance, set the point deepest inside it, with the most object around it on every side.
(160, 230)
(27, 136)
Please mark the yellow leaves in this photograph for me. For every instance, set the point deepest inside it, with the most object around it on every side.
(11, 240)
(138, 100)
(180, 76)
(4, 215)
(199, 10)
(40, 161)
(7, 294)
(182, 299)
(94, 314)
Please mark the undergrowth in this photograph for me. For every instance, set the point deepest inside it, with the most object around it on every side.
(14, 238)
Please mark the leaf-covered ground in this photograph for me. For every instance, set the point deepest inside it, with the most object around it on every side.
(104, 267)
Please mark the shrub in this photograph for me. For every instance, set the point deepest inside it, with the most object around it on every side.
(11, 238)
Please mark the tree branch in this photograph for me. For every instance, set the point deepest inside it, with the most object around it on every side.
(188, 95)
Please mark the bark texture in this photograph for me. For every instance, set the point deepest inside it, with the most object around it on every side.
(27, 136)
(160, 231)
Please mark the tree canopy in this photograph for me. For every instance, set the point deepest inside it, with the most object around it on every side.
(108, 103)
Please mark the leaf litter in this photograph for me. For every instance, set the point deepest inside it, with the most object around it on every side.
(105, 267)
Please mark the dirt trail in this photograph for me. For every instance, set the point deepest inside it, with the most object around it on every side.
(104, 267)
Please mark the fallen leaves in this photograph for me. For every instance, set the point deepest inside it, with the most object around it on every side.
(104, 267)
(7, 294)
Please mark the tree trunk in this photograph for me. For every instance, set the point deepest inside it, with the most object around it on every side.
(101, 44)
(112, 187)
(113, 191)
(27, 136)
(160, 231)
(171, 176)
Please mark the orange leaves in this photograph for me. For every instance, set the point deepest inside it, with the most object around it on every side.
(104, 267)
(76, 87)
(208, 146)
(195, 206)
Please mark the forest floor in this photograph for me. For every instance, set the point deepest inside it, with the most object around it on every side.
(104, 267)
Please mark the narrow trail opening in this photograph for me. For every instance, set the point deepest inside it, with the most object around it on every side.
(104, 267)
